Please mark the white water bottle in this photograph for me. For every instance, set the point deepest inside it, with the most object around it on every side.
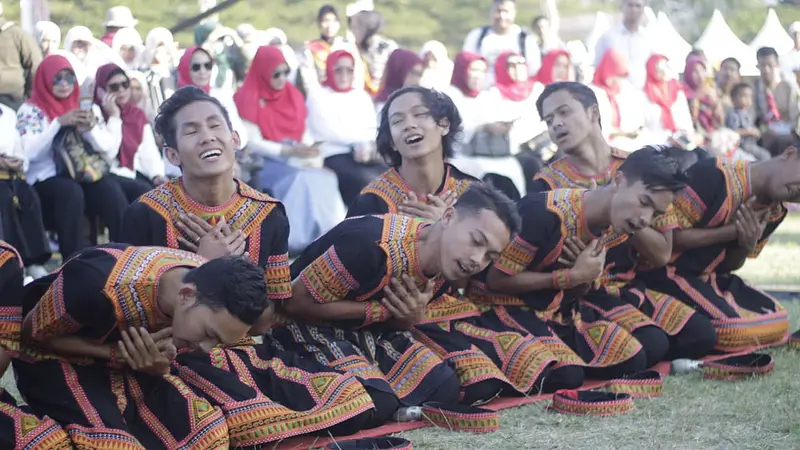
(684, 365)
(409, 414)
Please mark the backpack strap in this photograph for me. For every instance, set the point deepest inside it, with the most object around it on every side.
(523, 38)
(484, 32)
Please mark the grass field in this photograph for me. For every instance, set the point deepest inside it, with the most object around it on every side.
(693, 414)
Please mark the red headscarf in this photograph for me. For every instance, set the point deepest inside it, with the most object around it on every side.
(400, 64)
(330, 70)
(133, 118)
(279, 114)
(545, 73)
(461, 72)
(613, 64)
(185, 68)
(690, 87)
(510, 89)
(42, 90)
(663, 93)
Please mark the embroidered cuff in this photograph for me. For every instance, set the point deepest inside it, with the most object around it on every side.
(561, 279)
(375, 312)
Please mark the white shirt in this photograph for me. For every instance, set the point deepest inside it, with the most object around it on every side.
(635, 46)
(146, 161)
(340, 119)
(470, 109)
(680, 114)
(11, 144)
(631, 103)
(526, 121)
(494, 44)
(37, 133)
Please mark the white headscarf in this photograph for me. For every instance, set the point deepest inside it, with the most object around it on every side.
(48, 31)
(131, 37)
(160, 37)
(438, 77)
(97, 54)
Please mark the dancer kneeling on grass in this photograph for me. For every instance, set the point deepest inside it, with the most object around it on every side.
(490, 357)
(726, 214)
(569, 110)
(532, 271)
(361, 288)
(98, 335)
(266, 394)
(19, 427)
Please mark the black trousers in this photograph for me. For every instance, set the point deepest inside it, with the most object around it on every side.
(353, 176)
(22, 224)
(65, 203)
(133, 188)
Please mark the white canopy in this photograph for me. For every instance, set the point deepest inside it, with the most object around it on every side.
(772, 34)
(601, 25)
(718, 42)
(675, 46)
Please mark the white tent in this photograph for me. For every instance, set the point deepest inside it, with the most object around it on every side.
(772, 34)
(719, 42)
(675, 46)
(601, 25)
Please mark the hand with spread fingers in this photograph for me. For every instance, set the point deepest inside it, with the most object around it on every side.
(406, 302)
(414, 207)
(145, 352)
(210, 241)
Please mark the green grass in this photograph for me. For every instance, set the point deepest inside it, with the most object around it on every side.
(693, 414)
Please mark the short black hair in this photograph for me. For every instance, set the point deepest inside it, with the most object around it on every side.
(165, 120)
(655, 168)
(766, 52)
(439, 104)
(326, 9)
(731, 60)
(579, 91)
(480, 196)
(232, 283)
(738, 87)
(685, 158)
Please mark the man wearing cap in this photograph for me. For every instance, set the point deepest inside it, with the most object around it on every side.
(117, 17)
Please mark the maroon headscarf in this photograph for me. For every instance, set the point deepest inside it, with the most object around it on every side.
(461, 72)
(400, 63)
(133, 118)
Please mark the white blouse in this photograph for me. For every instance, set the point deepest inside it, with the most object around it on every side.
(526, 121)
(147, 160)
(471, 109)
(12, 145)
(37, 133)
(680, 114)
(340, 119)
(271, 149)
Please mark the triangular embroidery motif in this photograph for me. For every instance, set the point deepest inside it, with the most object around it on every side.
(507, 340)
(596, 333)
(29, 424)
(321, 383)
(201, 409)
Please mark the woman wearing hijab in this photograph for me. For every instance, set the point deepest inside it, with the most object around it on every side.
(274, 114)
(373, 49)
(704, 105)
(511, 109)
(556, 67)
(128, 45)
(620, 103)
(404, 68)
(48, 35)
(469, 72)
(195, 68)
(343, 118)
(666, 112)
(138, 166)
(438, 68)
(158, 63)
(54, 105)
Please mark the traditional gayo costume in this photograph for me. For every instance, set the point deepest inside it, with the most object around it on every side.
(95, 294)
(266, 394)
(19, 426)
(488, 355)
(744, 317)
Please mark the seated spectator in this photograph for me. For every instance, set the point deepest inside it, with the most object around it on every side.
(742, 119)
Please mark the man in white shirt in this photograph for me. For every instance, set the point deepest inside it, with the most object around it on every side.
(503, 35)
(632, 39)
(791, 60)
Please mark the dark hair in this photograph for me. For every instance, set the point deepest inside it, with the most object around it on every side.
(165, 120)
(326, 9)
(538, 19)
(480, 196)
(766, 52)
(655, 168)
(731, 60)
(440, 105)
(738, 87)
(231, 283)
(579, 91)
(685, 158)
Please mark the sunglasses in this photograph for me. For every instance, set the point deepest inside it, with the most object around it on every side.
(277, 74)
(114, 87)
(67, 78)
(197, 67)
